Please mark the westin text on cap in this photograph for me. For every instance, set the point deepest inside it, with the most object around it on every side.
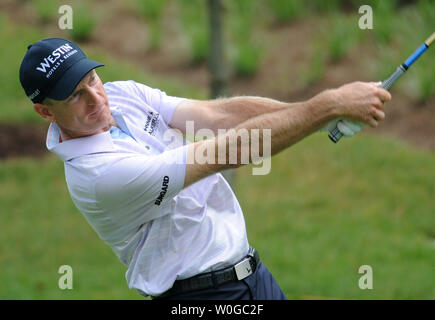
(52, 68)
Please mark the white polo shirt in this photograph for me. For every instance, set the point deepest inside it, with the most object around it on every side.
(128, 184)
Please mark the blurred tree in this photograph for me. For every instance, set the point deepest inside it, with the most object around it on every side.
(217, 63)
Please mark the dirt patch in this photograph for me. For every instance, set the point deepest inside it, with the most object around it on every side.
(410, 121)
(22, 140)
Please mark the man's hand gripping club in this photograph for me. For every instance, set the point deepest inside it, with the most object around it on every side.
(349, 125)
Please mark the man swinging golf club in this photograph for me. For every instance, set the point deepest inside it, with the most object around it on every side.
(177, 226)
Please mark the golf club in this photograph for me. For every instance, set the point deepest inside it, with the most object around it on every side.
(335, 134)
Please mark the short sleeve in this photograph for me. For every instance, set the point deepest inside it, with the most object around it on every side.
(141, 187)
(159, 101)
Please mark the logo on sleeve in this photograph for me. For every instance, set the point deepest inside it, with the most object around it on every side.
(163, 191)
(152, 122)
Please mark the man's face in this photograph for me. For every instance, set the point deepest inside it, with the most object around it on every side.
(85, 112)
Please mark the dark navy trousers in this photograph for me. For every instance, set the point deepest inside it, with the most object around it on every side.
(258, 286)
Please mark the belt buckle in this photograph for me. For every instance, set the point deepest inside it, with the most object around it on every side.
(243, 269)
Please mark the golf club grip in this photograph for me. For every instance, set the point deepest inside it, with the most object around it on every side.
(387, 84)
(335, 134)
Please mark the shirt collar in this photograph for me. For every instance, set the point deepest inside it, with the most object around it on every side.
(69, 149)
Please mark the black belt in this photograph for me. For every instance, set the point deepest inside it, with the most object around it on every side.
(239, 271)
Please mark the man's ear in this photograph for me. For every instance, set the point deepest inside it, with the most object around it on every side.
(44, 112)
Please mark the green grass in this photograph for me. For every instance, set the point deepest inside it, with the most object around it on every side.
(325, 210)
(42, 230)
(322, 212)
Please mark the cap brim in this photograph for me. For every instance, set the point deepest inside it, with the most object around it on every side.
(69, 81)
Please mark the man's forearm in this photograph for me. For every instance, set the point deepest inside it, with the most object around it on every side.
(222, 113)
(230, 112)
(287, 126)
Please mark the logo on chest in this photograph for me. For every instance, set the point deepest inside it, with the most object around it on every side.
(152, 122)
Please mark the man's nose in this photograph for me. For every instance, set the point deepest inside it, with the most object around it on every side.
(92, 96)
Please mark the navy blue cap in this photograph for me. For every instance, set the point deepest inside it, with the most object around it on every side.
(52, 68)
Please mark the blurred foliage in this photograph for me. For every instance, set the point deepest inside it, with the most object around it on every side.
(194, 20)
(327, 6)
(244, 18)
(286, 10)
(342, 36)
(398, 26)
(15, 104)
(152, 11)
(248, 50)
(248, 59)
(316, 67)
(384, 20)
(412, 26)
(46, 9)
(84, 22)
(426, 8)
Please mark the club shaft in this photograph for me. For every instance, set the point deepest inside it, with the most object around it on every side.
(388, 83)
(335, 134)
(415, 55)
(430, 40)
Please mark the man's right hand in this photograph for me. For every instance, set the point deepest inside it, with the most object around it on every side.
(360, 102)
